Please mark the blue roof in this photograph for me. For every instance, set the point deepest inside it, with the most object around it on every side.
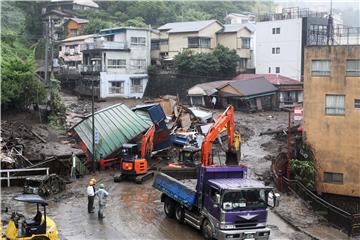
(236, 183)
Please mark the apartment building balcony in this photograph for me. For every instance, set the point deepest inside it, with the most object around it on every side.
(91, 69)
(104, 45)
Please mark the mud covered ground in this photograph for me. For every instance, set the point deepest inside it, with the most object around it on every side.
(135, 211)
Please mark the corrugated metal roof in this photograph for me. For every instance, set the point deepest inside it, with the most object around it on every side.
(116, 125)
(208, 88)
(194, 26)
(275, 79)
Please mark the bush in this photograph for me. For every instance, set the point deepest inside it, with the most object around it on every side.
(304, 171)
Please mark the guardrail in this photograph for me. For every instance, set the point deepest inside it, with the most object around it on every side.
(350, 223)
(8, 171)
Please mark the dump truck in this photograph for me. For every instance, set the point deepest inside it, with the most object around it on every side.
(220, 202)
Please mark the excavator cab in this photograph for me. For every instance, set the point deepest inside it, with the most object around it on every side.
(189, 157)
(130, 162)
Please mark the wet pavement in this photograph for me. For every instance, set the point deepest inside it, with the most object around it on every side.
(133, 212)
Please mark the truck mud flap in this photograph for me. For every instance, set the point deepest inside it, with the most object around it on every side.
(180, 173)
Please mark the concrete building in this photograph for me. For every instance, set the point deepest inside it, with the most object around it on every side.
(239, 37)
(332, 116)
(236, 18)
(70, 55)
(281, 38)
(117, 59)
(199, 36)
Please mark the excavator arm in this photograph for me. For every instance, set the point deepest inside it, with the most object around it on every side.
(225, 120)
(147, 141)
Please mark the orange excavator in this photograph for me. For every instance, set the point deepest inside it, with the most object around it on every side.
(226, 120)
(134, 163)
(188, 157)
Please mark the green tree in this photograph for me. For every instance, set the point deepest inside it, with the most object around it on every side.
(228, 59)
(193, 15)
(135, 22)
(95, 25)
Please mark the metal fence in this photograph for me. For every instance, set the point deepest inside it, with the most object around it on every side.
(339, 35)
(349, 223)
(291, 13)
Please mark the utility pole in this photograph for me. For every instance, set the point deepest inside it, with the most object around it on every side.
(46, 51)
(93, 117)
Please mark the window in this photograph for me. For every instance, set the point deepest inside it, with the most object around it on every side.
(116, 63)
(243, 63)
(276, 50)
(320, 67)
(199, 42)
(155, 45)
(245, 42)
(138, 63)
(164, 42)
(116, 87)
(73, 32)
(276, 30)
(353, 67)
(357, 103)
(269, 69)
(277, 70)
(331, 177)
(136, 85)
(335, 104)
(138, 41)
(110, 38)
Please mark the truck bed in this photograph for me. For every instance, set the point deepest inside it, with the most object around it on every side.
(181, 191)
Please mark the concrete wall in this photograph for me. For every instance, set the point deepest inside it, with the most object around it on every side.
(106, 77)
(335, 139)
(289, 41)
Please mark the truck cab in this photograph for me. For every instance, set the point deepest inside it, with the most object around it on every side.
(237, 208)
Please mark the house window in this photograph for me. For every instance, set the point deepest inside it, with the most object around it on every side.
(357, 103)
(277, 70)
(110, 38)
(320, 67)
(243, 62)
(269, 69)
(276, 30)
(164, 42)
(73, 32)
(138, 41)
(276, 50)
(245, 42)
(155, 45)
(116, 63)
(335, 104)
(199, 42)
(138, 63)
(136, 85)
(116, 87)
(353, 67)
(331, 177)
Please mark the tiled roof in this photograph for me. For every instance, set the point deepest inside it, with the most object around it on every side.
(254, 86)
(237, 27)
(275, 79)
(177, 27)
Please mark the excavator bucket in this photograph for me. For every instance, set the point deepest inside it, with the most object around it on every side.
(232, 158)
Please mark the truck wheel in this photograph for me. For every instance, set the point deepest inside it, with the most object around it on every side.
(207, 230)
(180, 213)
(169, 208)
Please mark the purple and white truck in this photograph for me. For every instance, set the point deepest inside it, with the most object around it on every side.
(222, 203)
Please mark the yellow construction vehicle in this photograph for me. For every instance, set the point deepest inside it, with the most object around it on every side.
(40, 227)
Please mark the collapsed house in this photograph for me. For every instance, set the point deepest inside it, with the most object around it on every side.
(290, 92)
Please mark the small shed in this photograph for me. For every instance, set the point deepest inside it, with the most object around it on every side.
(249, 95)
(114, 126)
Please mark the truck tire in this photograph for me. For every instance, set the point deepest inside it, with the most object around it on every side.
(169, 207)
(207, 230)
(180, 213)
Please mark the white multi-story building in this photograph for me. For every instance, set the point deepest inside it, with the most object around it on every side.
(281, 38)
(244, 17)
(118, 59)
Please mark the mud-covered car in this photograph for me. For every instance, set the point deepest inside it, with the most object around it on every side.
(44, 185)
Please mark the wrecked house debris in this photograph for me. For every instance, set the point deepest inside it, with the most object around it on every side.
(290, 92)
